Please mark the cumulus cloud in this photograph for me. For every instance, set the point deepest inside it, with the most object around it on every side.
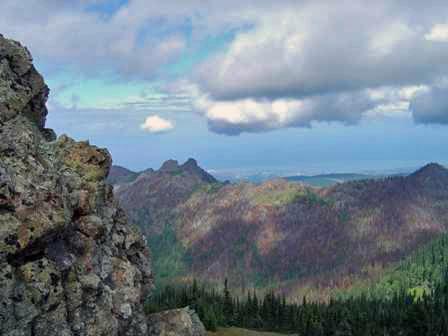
(253, 115)
(68, 35)
(249, 115)
(431, 107)
(327, 61)
(438, 33)
(393, 102)
(260, 115)
(290, 64)
(319, 49)
(156, 124)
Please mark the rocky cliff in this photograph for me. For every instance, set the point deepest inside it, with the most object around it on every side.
(69, 262)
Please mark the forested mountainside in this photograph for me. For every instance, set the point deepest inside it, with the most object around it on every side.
(295, 237)
(410, 299)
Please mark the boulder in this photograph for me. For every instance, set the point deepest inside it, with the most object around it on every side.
(176, 322)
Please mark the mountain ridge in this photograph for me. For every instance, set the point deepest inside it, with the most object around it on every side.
(287, 233)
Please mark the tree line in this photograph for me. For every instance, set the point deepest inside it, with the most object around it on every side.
(412, 300)
(404, 314)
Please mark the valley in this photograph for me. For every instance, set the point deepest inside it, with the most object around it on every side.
(311, 193)
(299, 239)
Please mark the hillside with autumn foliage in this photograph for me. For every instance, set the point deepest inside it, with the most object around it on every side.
(287, 235)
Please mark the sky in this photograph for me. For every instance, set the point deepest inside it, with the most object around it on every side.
(342, 85)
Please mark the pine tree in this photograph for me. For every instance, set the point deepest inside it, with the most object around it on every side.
(228, 305)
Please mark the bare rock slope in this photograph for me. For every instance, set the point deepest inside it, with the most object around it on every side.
(70, 264)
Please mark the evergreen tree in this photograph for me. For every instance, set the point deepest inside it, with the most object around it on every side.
(228, 305)
(420, 311)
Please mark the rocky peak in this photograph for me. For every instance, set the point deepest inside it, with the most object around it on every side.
(191, 166)
(169, 166)
(432, 176)
(431, 169)
(22, 88)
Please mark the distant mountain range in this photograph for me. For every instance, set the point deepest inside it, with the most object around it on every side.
(326, 180)
(296, 237)
(319, 177)
(120, 175)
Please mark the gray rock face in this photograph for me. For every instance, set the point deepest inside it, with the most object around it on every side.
(176, 322)
(22, 88)
(69, 262)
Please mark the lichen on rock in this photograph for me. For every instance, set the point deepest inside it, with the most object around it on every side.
(70, 264)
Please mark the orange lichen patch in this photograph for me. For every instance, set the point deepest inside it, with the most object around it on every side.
(26, 273)
(24, 235)
(119, 277)
(123, 275)
(37, 224)
(89, 161)
(44, 215)
(119, 274)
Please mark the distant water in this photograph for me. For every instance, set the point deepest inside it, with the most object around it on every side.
(360, 167)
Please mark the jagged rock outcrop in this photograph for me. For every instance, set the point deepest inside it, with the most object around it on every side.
(161, 191)
(69, 262)
(191, 166)
(176, 322)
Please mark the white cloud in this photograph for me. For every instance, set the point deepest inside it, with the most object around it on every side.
(410, 92)
(322, 48)
(431, 107)
(259, 115)
(383, 41)
(291, 63)
(65, 35)
(393, 102)
(233, 117)
(156, 124)
(438, 33)
(275, 114)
